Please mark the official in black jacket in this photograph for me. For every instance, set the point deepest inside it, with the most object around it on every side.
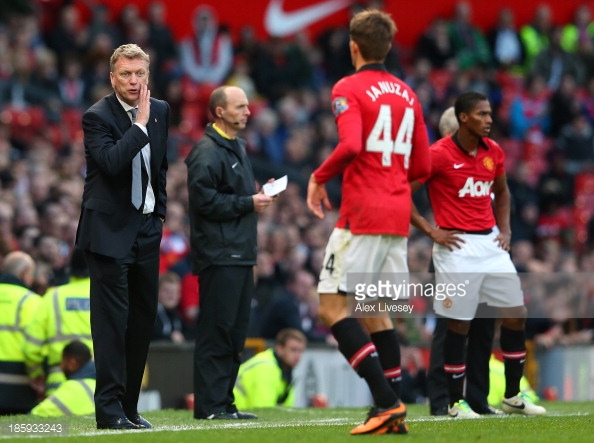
(223, 203)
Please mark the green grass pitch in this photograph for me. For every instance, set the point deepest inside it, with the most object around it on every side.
(565, 421)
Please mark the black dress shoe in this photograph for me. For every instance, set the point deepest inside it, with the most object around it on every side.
(222, 416)
(118, 423)
(439, 410)
(141, 421)
(245, 415)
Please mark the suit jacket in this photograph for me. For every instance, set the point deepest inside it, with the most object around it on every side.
(109, 222)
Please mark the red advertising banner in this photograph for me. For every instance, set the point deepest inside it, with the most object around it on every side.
(285, 18)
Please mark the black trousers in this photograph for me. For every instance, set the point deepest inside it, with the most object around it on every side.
(478, 353)
(225, 299)
(123, 310)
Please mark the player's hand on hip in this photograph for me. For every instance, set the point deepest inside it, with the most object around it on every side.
(503, 240)
(316, 196)
(446, 238)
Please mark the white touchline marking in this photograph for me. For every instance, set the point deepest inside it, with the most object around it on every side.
(253, 424)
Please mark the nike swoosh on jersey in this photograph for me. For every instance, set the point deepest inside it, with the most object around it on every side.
(234, 164)
(279, 23)
(458, 166)
(455, 376)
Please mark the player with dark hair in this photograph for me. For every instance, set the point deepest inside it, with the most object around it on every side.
(383, 145)
(475, 234)
(480, 339)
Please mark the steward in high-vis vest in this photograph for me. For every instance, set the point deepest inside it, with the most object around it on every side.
(17, 307)
(63, 316)
(75, 396)
(266, 379)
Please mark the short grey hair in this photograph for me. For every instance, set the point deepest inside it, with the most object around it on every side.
(448, 124)
(129, 50)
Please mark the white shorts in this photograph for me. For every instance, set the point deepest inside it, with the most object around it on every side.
(371, 255)
(483, 270)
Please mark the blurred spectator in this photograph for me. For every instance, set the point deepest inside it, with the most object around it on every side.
(529, 109)
(505, 42)
(240, 76)
(267, 142)
(554, 62)
(175, 244)
(524, 203)
(72, 86)
(248, 47)
(281, 68)
(435, 45)
(18, 307)
(63, 314)
(70, 36)
(585, 55)
(101, 23)
(53, 252)
(535, 35)
(168, 324)
(579, 30)
(129, 14)
(74, 396)
(291, 308)
(334, 44)
(266, 380)
(564, 104)
(19, 90)
(554, 228)
(468, 41)
(162, 42)
(576, 143)
(6, 223)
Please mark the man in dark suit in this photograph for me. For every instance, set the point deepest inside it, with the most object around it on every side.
(120, 229)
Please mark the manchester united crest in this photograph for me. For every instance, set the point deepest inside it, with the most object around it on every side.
(489, 163)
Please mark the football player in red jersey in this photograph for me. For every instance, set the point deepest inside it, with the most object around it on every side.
(383, 145)
(472, 240)
(480, 340)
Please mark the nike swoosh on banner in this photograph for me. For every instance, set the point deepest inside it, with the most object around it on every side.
(280, 23)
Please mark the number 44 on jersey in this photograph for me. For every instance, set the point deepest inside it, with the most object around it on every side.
(380, 137)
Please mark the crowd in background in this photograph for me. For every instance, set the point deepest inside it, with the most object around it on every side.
(539, 77)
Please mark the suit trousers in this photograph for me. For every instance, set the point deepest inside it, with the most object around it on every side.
(123, 309)
(478, 353)
(225, 300)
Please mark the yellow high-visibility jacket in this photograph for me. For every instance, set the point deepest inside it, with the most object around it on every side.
(75, 396)
(63, 316)
(17, 307)
(260, 383)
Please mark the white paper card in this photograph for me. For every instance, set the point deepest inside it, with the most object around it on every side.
(276, 187)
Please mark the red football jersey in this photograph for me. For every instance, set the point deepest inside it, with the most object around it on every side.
(460, 184)
(382, 145)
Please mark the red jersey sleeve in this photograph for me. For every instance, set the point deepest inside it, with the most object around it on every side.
(435, 163)
(347, 114)
(420, 160)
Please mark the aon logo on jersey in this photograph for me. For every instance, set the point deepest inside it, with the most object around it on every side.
(477, 188)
